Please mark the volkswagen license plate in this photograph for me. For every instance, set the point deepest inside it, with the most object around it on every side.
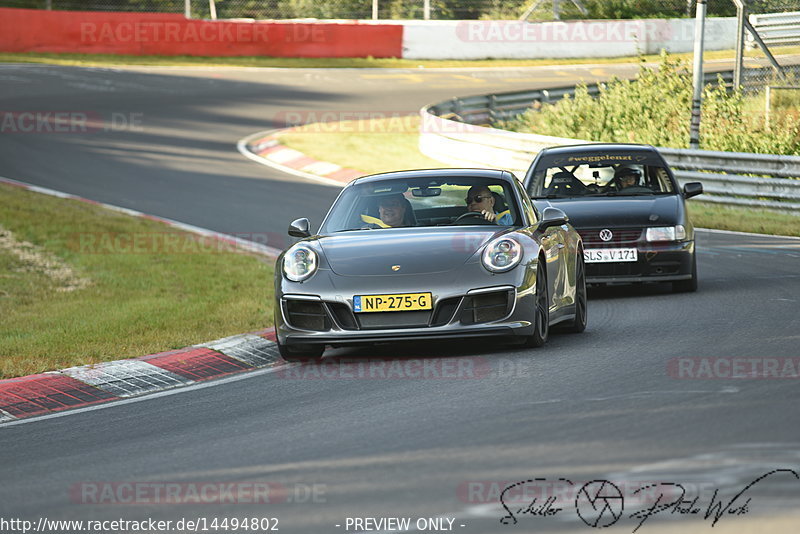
(608, 255)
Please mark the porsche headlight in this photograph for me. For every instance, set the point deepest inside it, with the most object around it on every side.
(666, 233)
(299, 263)
(501, 255)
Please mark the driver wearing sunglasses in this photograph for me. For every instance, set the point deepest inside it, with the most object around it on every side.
(481, 200)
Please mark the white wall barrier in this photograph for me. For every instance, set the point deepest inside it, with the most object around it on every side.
(468, 145)
(481, 39)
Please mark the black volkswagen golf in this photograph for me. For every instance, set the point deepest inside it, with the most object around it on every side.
(627, 206)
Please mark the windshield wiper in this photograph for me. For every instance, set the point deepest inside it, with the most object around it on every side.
(551, 195)
(355, 229)
(621, 194)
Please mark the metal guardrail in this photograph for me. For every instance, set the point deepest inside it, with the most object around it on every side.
(458, 131)
(724, 177)
(779, 29)
(491, 109)
(494, 108)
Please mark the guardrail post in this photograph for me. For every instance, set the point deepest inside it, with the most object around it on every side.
(767, 106)
(457, 108)
(492, 109)
(699, 27)
(741, 13)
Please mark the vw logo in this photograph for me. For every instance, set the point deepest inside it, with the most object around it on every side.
(606, 235)
(600, 503)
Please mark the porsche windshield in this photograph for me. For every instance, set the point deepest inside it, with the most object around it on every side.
(420, 202)
(599, 179)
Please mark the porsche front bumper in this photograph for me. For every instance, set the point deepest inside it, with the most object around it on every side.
(475, 313)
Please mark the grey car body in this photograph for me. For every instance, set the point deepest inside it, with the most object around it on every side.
(435, 253)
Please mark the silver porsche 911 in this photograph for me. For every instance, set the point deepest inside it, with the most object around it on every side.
(423, 254)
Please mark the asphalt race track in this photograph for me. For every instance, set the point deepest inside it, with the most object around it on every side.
(648, 394)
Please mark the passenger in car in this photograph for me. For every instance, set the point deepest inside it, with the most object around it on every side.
(393, 211)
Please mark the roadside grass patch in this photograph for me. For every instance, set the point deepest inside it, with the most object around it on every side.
(370, 145)
(80, 284)
(93, 60)
(759, 221)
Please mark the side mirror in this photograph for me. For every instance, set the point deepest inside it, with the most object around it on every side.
(299, 228)
(553, 217)
(692, 189)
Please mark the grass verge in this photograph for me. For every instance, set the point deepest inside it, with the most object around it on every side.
(381, 145)
(759, 221)
(371, 146)
(101, 60)
(80, 284)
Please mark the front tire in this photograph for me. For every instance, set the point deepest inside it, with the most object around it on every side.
(578, 324)
(541, 310)
(687, 286)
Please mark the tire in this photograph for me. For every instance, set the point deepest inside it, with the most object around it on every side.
(578, 324)
(541, 328)
(301, 353)
(687, 286)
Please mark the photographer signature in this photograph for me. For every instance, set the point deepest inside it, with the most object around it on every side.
(600, 503)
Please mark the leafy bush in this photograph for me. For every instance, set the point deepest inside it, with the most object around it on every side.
(637, 9)
(655, 108)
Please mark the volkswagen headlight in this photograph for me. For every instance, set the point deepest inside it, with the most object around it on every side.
(501, 255)
(666, 233)
(299, 263)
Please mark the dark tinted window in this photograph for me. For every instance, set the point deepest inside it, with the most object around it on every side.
(599, 175)
(423, 202)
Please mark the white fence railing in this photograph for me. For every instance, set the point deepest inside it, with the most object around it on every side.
(778, 29)
(452, 132)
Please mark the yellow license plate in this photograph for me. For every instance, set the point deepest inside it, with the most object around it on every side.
(397, 302)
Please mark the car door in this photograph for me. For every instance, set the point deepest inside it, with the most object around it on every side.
(553, 241)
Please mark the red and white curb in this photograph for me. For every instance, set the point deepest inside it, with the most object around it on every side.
(265, 148)
(86, 385)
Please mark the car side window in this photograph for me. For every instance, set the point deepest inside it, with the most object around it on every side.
(661, 178)
(527, 205)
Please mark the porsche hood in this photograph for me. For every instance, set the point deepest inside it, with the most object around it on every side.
(415, 251)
